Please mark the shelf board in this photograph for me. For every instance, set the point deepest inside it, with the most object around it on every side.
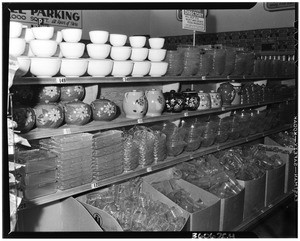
(168, 162)
(147, 79)
(247, 223)
(39, 133)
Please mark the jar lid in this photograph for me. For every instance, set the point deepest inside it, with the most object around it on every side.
(236, 84)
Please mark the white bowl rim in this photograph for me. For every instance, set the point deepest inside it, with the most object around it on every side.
(98, 44)
(74, 59)
(71, 43)
(45, 58)
(99, 60)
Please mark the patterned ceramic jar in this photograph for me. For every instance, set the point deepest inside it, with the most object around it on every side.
(174, 101)
(156, 102)
(48, 115)
(49, 94)
(227, 92)
(205, 102)
(25, 118)
(103, 110)
(135, 104)
(191, 100)
(77, 113)
(72, 92)
(215, 99)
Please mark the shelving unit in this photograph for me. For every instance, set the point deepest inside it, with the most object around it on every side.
(119, 122)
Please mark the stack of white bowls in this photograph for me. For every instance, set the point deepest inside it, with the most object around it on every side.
(156, 55)
(17, 47)
(98, 64)
(72, 65)
(139, 54)
(120, 55)
(42, 49)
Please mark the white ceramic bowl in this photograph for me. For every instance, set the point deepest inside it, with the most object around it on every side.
(122, 68)
(137, 41)
(139, 54)
(72, 35)
(99, 67)
(16, 46)
(98, 36)
(140, 68)
(72, 50)
(15, 29)
(98, 51)
(157, 54)
(43, 48)
(156, 43)
(28, 35)
(44, 67)
(43, 33)
(158, 69)
(117, 39)
(120, 53)
(57, 36)
(24, 65)
(73, 67)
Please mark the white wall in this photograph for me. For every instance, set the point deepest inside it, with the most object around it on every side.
(129, 22)
(164, 22)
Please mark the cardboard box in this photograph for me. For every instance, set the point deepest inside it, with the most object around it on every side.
(254, 199)
(109, 223)
(61, 216)
(291, 169)
(207, 219)
(232, 210)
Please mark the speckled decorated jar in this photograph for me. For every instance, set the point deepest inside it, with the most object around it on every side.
(72, 92)
(227, 92)
(156, 102)
(48, 115)
(103, 110)
(215, 99)
(191, 100)
(135, 104)
(25, 118)
(77, 113)
(49, 94)
(204, 103)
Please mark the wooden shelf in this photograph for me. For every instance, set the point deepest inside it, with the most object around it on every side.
(39, 133)
(117, 80)
(169, 162)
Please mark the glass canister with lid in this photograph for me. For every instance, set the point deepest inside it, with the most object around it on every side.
(191, 59)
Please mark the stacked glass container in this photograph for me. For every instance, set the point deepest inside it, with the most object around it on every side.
(107, 154)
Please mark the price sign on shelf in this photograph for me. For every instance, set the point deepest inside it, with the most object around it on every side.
(193, 19)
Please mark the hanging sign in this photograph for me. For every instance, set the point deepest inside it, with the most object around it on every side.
(194, 20)
(59, 18)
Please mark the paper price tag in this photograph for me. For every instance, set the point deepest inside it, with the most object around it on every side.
(124, 79)
(95, 185)
(140, 121)
(203, 77)
(67, 131)
(61, 80)
(223, 108)
(186, 114)
(149, 169)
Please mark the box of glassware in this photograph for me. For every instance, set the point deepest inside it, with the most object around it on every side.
(134, 206)
(275, 176)
(208, 174)
(290, 168)
(203, 207)
(254, 199)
